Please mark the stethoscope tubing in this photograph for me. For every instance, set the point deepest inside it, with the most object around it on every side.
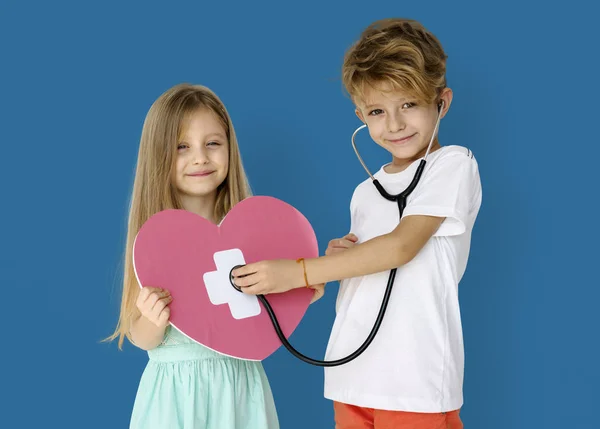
(401, 201)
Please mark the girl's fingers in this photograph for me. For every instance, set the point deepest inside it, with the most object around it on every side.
(160, 306)
(162, 303)
(163, 317)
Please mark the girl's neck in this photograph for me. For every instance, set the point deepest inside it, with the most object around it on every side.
(203, 206)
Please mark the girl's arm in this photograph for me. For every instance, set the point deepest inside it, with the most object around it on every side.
(145, 334)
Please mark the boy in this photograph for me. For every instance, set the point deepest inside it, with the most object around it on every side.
(411, 375)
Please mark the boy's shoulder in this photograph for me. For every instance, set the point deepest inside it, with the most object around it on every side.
(448, 159)
(451, 151)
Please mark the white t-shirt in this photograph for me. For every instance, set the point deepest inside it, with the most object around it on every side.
(415, 363)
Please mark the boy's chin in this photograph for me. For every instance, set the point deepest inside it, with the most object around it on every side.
(407, 153)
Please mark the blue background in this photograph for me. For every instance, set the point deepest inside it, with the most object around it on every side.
(78, 79)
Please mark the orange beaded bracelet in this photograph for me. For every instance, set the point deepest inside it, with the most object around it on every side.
(304, 265)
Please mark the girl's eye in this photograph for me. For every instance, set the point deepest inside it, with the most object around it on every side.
(181, 146)
(214, 144)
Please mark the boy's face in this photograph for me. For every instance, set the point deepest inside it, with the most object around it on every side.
(400, 124)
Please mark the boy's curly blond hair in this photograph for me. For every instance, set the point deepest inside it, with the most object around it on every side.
(400, 54)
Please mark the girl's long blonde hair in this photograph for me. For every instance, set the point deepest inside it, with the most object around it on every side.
(153, 190)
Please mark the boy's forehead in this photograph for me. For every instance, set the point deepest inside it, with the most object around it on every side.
(381, 94)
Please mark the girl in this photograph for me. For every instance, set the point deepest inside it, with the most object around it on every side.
(188, 159)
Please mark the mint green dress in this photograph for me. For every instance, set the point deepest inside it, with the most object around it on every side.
(188, 386)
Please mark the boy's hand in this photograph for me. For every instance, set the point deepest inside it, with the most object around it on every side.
(277, 276)
(153, 303)
(319, 292)
(340, 244)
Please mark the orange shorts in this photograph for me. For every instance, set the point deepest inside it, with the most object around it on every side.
(352, 417)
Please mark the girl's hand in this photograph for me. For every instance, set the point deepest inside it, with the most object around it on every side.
(341, 244)
(153, 303)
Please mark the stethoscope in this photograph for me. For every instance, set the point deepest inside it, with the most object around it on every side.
(400, 199)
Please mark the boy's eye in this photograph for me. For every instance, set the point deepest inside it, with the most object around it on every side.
(375, 112)
(409, 105)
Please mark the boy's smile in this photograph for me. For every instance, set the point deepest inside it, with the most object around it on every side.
(402, 140)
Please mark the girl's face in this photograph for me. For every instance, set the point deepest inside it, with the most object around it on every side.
(202, 161)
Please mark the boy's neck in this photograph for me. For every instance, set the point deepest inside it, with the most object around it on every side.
(202, 206)
(400, 164)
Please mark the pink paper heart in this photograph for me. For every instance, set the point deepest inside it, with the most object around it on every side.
(175, 249)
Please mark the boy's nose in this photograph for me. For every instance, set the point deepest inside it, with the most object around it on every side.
(395, 123)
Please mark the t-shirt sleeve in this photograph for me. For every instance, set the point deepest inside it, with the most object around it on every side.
(450, 187)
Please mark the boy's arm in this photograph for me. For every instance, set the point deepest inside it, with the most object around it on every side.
(378, 254)
(450, 190)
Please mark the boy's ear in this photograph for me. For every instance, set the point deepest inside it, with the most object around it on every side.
(359, 114)
(446, 97)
